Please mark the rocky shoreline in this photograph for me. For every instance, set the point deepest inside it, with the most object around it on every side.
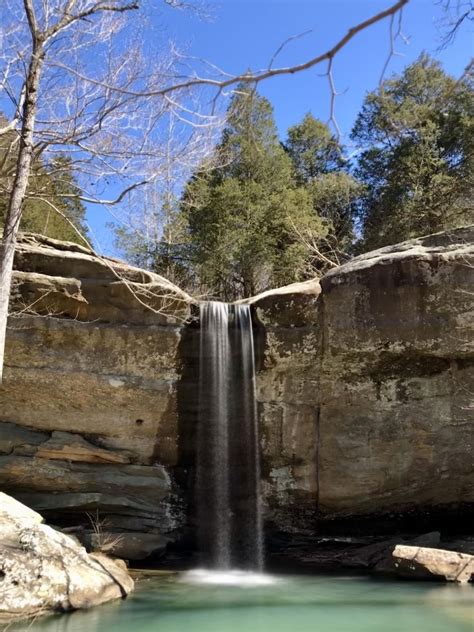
(45, 571)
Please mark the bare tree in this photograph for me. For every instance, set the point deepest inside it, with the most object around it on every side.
(455, 14)
(74, 78)
(113, 136)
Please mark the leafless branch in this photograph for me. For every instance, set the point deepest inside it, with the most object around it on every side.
(394, 35)
(456, 13)
(285, 43)
(249, 77)
(167, 295)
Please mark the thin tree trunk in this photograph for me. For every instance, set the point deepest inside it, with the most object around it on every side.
(17, 196)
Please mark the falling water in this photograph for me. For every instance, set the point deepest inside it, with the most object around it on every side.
(228, 480)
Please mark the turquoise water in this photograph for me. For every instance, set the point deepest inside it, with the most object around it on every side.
(283, 604)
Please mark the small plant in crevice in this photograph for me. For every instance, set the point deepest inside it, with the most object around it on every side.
(102, 541)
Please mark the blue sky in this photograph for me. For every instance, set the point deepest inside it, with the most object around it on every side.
(243, 34)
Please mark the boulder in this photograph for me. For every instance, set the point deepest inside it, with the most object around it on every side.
(43, 570)
(417, 562)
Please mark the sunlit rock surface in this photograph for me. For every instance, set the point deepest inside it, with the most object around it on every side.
(418, 562)
(366, 403)
(365, 391)
(89, 400)
(43, 570)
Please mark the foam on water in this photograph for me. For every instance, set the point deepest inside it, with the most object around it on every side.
(227, 578)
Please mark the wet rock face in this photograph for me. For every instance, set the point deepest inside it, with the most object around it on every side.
(288, 404)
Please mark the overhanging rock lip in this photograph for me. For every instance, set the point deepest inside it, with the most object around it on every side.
(446, 245)
(311, 287)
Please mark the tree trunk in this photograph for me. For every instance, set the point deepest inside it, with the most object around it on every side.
(17, 195)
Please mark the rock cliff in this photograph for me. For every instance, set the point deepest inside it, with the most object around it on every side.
(365, 387)
(366, 395)
(88, 404)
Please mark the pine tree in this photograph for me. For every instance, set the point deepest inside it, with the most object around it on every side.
(417, 132)
(321, 168)
(241, 214)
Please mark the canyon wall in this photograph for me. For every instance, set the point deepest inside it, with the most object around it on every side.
(365, 390)
(88, 407)
(367, 395)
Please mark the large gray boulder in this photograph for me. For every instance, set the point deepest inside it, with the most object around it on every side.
(43, 570)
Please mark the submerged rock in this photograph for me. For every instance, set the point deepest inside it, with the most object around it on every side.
(424, 563)
(43, 570)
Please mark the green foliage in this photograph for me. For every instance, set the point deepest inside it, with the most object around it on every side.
(320, 167)
(165, 250)
(418, 138)
(242, 215)
(49, 186)
(313, 149)
(268, 214)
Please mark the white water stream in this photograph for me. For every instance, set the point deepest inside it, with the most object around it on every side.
(228, 469)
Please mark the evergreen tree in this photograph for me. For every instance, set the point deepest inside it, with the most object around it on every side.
(417, 132)
(242, 214)
(319, 164)
(313, 149)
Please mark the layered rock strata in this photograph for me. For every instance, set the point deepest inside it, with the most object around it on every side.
(365, 390)
(89, 400)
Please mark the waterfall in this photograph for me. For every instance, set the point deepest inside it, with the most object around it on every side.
(228, 472)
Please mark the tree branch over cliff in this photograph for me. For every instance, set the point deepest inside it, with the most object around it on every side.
(247, 77)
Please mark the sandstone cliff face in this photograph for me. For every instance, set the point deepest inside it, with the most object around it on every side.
(88, 404)
(397, 382)
(365, 386)
(367, 400)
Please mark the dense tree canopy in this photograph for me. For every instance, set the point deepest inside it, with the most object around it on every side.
(242, 214)
(417, 135)
(269, 213)
(320, 167)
